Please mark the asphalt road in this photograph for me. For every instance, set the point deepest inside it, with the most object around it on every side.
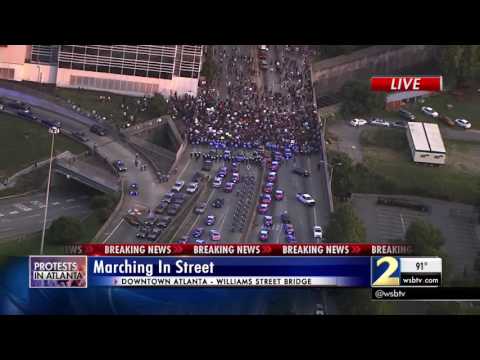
(107, 146)
(23, 215)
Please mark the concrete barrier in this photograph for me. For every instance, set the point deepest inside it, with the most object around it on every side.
(252, 213)
(114, 213)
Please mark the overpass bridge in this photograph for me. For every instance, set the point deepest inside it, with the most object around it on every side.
(88, 174)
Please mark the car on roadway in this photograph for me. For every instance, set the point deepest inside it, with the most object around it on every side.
(160, 209)
(168, 197)
(275, 165)
(133, 189)
(358, 122)
(207, 165)
(228, 187)
(210, 220)
(80, 135)
(215, 235)
(262, 208)
(272, 176)
(192, 187)
(218, 203)
(120, 166)
(197, 177)
(96, 129)
(200, 208)
(429, 111)
(152, 236)
(163, 223)
(290, 238)
(267, 221)
(305, 199)
(142, 234)
(279, 194)
(406, 115)
(217, 182)
(268, 188)
(319, 309)
(178, 186)
(200, 241)
(379, 122)
(183, 240)
(285, 217)
(235, 177)
(133, 220)
(197, 232)
(173, 209)
(464, 124)
(301, 172)
(288, 228)
(317, 232)
(263, 235)
(150, 220)
(266, 199)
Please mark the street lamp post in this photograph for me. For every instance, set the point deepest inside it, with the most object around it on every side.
(54, 131)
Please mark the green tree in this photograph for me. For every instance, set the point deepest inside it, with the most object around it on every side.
(158, 105)
(345, 226)
(459, 63)
(426, 238)
(342, 179)
(358, 99)
(64, 230)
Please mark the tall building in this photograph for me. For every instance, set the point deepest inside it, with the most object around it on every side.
(126, 69)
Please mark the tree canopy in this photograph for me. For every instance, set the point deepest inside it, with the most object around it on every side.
(345, 226)
(358, 99)
(64, 230)
(425, 237)
(158, 105)
(459, 63)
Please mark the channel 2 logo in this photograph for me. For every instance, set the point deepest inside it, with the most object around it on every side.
(385, 271)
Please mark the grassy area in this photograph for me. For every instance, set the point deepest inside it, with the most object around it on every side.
(24, 142)
(89, 100)
(387, 155)
(26, 183)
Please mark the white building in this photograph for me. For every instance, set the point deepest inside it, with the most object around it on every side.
(426, 143)
(127, 69)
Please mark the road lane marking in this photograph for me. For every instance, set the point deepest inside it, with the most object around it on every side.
(13, 212)
(70, 200)
(41, 206)
(113, 231)
(32, 216)
(6, 229)
(70, 207)
(1, 215)
(22, 207)
(35, 203)
(55, 203)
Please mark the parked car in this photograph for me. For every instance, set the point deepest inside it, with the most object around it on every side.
(268, 221)
(429, 111)
(379, 122)
(262, 208)
(272, 176)
(358, 122)
(400, 124)
(268, 188)
(96, 129)
(160, 209)
(228, 187)
(266, 199)
(178, 185)
(133, 220)
(120, 166)
(173, 209)
(464, 124)
(197, 232)
(406, 114)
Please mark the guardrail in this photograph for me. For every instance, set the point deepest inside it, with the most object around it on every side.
(252, 213)
(328, 184)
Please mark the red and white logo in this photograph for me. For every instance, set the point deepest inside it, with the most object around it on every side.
(406, 83)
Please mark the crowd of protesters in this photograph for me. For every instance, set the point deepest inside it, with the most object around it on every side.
(246, 119)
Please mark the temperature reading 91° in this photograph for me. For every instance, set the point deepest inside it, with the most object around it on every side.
(421, 265)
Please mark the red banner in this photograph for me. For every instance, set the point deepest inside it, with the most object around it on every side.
(406, 83)
(239, 249)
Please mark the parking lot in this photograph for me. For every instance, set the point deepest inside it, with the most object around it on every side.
(458, 223)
